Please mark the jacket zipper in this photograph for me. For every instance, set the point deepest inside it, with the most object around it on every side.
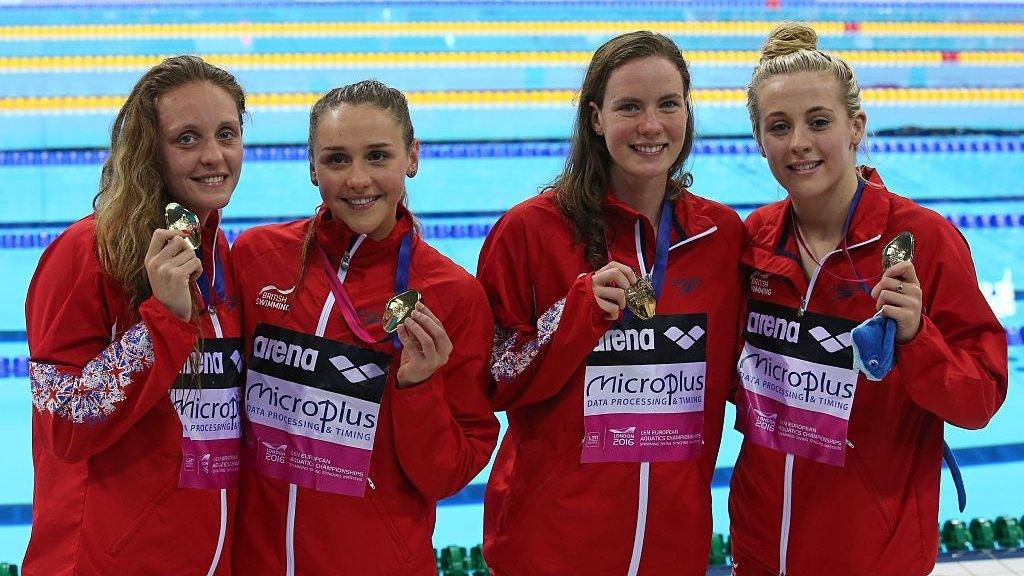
(806, 300)
(218, 331)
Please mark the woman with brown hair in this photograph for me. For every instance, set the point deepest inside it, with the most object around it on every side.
(135, 443)
(614, 416)
(367, 361)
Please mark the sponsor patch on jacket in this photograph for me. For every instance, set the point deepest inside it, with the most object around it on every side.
(206, 395)
(643, 396)
(312, 406)
(798, 382)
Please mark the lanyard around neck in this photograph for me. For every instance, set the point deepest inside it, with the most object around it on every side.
(344, 301)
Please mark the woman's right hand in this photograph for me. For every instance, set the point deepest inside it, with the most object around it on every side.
(610, 283)
(172, 266)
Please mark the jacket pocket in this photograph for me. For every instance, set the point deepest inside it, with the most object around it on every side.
(861, 469)
(380, 505)
(141, 519)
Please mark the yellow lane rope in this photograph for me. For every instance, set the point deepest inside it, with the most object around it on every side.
(512, 59)
(246, 30)
(727, 97)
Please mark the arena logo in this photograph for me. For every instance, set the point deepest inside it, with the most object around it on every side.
(284, 353)
(355, 374)
(630, 340)
(831, 343)
(773, 327)
(271, 296)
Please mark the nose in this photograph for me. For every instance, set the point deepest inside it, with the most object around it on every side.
(211, 153)
(650, 123)
(358, 177)
(800, 140)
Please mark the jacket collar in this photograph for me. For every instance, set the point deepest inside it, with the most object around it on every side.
(689, 219)
(336, 237)
(773, 248)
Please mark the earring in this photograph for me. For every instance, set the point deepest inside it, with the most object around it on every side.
(411, 173)
(314, 181)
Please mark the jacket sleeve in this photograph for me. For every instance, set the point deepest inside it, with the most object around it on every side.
(524, 366)
(91, 378)
(956, 365)
(444, 429)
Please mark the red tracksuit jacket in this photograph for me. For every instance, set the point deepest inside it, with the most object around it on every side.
(545, 512)
(110, 453)
(877, 512)
(430, 440)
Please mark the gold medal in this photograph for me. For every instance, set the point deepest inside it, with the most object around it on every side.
(899, 249)
(398, 309)
(640, 299)
(180, 219)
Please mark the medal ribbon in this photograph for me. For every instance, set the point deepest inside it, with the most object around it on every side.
(657, 274)
(341, 297)
(218, 278)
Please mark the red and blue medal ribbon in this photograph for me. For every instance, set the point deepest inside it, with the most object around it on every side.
(348, 310)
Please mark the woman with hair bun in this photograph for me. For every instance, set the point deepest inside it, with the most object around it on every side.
(132, 332)
(615, 415)
(839, 474)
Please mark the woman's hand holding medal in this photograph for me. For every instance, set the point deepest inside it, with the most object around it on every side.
(610, 284)
(172, 266)
(898, 296)
(425, 346)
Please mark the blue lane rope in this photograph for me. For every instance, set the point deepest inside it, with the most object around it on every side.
(537, 148)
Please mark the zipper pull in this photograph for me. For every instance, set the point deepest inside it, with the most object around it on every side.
(803, 306)
(346, 260)
(848, 443)
(370, 482)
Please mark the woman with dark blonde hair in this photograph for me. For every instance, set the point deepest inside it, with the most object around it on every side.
(615, 416)
(367, 361)
(839, 474)
(133, 336)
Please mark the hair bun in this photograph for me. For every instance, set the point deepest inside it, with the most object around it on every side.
(787, 38)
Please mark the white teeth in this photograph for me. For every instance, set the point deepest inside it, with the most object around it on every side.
(804, 165)
(212, 179)
(361, 201)
(649, 149)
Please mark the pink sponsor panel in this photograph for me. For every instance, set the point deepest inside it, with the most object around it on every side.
(642, 437)
(209, 463)
(805, 433)
(316, 464)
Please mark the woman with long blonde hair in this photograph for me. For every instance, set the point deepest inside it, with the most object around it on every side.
(133, 337)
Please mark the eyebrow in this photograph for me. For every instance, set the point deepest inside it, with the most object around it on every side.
(374, 146)
(179, 128)
(808, 111)
(664, 96)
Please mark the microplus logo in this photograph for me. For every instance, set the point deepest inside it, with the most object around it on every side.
(280, 352)
(829, 342)
(685, 340)
(356, 374)
(773, 327)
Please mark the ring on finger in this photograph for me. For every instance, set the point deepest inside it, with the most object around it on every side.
(899, 288)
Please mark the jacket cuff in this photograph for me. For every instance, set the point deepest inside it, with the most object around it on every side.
(920, 353)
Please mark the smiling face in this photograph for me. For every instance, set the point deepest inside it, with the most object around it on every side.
(200, 146)
(807, 135)
(643, 120)
(360, 162)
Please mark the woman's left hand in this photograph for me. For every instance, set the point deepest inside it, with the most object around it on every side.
(898, 296)
(425, 347)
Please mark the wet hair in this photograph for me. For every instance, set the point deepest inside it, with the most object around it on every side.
(792, 47)
(580, 188)
(132, 194)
